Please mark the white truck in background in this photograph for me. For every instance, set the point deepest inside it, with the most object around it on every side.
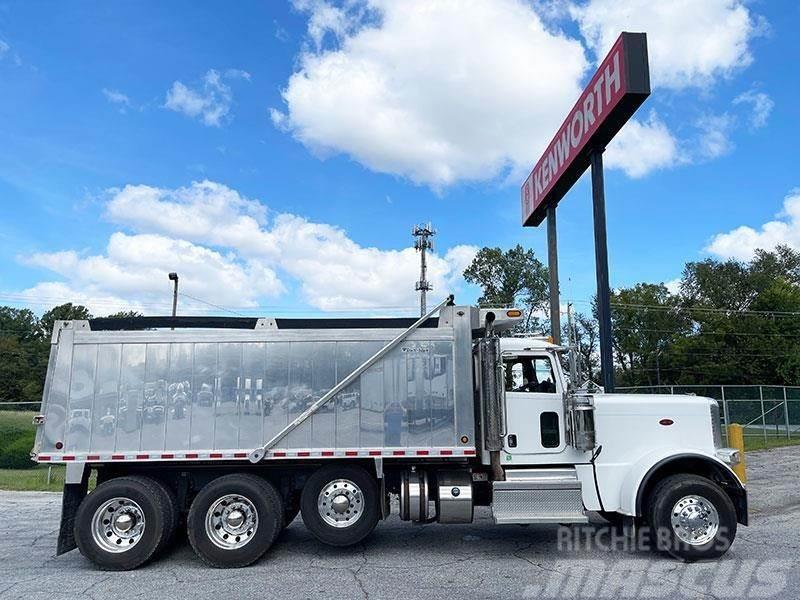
(236, 425)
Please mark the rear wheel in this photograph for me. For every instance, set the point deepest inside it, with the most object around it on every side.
(122, 523)
(234, 520)
(692, 518)
(339, 504)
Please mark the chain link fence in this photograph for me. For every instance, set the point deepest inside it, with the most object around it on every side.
(770, 412)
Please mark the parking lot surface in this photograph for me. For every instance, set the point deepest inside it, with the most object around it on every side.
(401, 560)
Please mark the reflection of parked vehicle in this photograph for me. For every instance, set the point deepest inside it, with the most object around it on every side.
(80, 420)
(349, 400)
(205, 397)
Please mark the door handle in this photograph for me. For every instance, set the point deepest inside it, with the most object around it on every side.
(511, 438)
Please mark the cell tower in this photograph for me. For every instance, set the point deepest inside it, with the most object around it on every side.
(422, 244)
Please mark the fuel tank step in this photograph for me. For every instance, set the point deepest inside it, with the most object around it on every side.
(538, 496)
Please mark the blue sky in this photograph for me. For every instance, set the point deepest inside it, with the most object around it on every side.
(323, 132)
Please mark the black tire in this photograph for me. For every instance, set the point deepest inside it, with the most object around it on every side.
(149, 497)
(268, 506)
(369, 514)
(664, 497)
(172, 513)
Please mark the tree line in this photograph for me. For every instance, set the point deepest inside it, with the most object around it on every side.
(729, 322)
(25, 348)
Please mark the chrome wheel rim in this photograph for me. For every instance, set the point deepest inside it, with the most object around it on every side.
(695, 520)
(118, 525)
(340, 503)
(231, 521)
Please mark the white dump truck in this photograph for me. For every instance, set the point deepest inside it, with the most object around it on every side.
(234, 425)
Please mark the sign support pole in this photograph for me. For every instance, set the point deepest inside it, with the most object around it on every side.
(552, 268)
(601, 265)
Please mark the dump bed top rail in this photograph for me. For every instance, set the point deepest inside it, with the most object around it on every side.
(142, 323)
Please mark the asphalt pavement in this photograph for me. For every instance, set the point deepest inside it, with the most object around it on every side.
(403, 561)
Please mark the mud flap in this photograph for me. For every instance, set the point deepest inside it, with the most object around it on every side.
(73, 494)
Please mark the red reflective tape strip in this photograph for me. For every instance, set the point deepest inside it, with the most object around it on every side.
(117, 457)
(68, 457)
(167, 455)
(93, 457)
(469, 452)
(351, 453)
(240, 455)
(422, 453)
(142, 456)
(374, 452)
(304, 454)
(191, 455)
(279, 454)
(398, 452)
(446, 452)
(43, 458)
(215, 455)
(327, 453)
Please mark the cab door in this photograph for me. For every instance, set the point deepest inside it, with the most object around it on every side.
(534, 404)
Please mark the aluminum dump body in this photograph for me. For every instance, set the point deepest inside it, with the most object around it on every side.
(197, 394)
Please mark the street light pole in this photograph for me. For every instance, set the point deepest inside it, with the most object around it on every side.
(174, 278)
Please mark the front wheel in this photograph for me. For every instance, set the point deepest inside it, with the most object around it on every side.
(691, 517)
(339, 504)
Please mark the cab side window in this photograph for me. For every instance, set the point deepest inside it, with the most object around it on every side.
(533, 374)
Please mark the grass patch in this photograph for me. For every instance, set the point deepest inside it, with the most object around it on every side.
(17, 434)
(757, 443)
(34, 479)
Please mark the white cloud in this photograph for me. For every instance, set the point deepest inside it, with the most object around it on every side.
(642, 147)
(437, 92)
(742, 242)
(673, 286)
(118, 98)
(135, 267)
(713, 138)
(211, 103)
(228, 252)
(761, 105)
(690, 43)
(335, 272)
(4, 48)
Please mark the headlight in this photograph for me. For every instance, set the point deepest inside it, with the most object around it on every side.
(716, 424)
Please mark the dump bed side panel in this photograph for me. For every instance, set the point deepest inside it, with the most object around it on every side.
(156, 394)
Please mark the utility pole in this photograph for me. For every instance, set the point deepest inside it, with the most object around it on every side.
(173, 277)
(422, 244)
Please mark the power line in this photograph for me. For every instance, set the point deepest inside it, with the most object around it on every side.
(725, 311)
(702, 333)
(233, 312)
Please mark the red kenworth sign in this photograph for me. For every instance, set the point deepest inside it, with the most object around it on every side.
(617, 89)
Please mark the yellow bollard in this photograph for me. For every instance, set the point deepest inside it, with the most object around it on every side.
(736, 440)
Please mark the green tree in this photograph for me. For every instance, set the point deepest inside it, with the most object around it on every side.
(125, 314)
(646, 321)
(62, 312)
(513, 277)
